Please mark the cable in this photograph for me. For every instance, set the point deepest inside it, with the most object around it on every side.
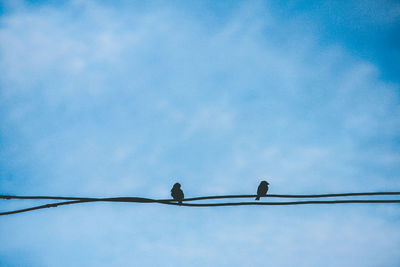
(169, 202)
(217, 197)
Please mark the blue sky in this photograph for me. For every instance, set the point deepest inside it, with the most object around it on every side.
(125, 99)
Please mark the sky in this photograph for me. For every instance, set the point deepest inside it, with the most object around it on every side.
(125, 98)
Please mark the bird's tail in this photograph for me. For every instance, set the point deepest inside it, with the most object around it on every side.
(258, 198)
(180, 202)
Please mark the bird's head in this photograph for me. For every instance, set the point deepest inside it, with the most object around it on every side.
(177, 185)
(264, 183)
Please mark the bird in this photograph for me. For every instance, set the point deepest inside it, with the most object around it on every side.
(262, 189)
(177, 193)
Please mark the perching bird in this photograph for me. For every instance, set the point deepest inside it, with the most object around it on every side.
(262, 189)
(177, 193)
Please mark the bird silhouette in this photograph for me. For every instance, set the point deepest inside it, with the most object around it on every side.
(262, 189)
(177, 193)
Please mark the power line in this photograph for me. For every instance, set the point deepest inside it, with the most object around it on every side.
(76, 200)
(216, 197)
(208, 204)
